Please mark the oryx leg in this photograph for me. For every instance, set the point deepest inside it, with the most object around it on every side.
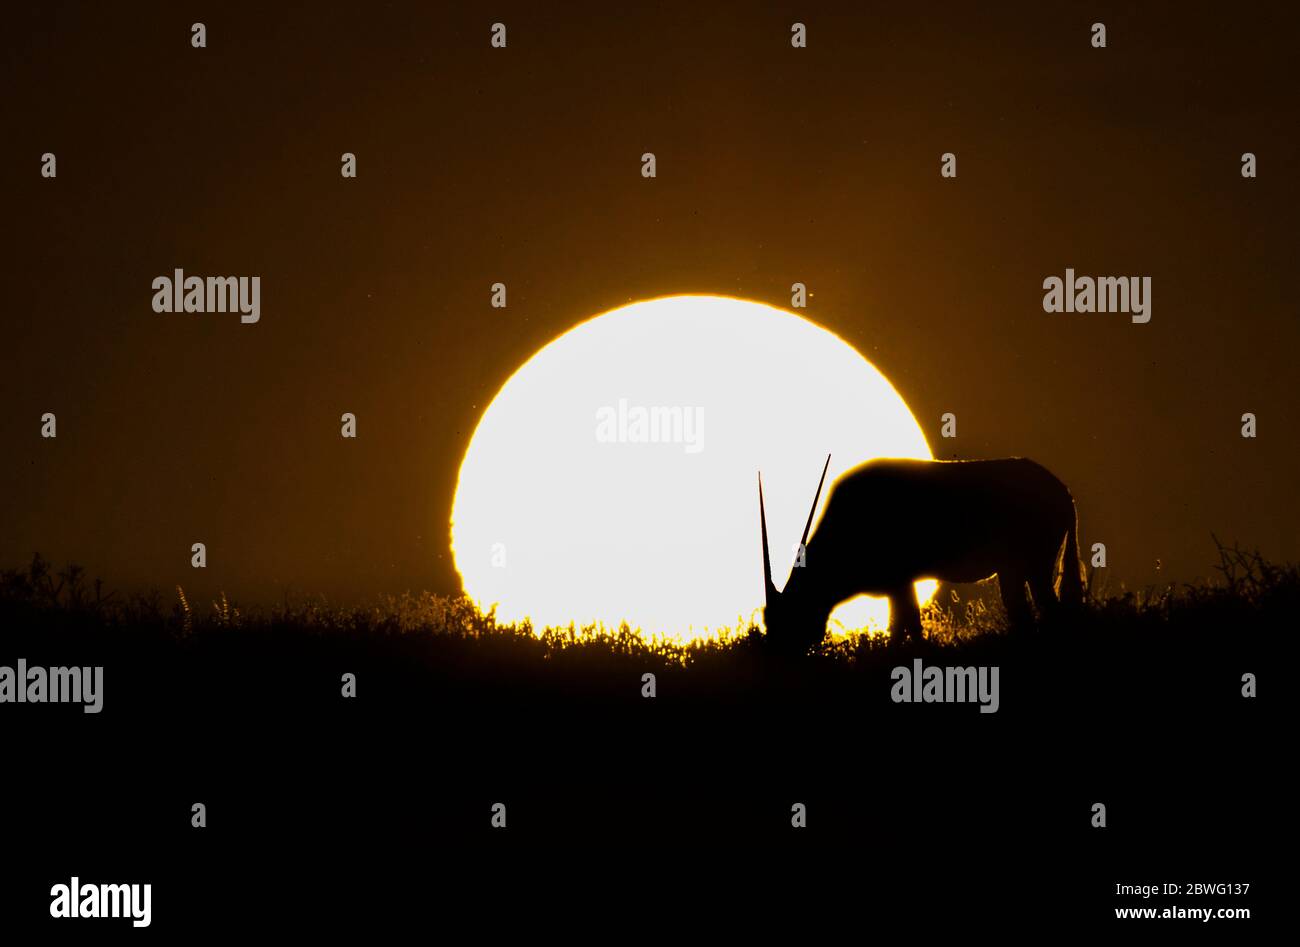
(904, 615)
(1014, 601)
(1041, 587)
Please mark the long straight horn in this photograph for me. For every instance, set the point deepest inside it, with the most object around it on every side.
(769, 589)
(808, 526)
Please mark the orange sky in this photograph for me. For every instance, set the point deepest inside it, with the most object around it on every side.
(522, 165)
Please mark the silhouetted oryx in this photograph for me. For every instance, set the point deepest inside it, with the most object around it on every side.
(890, 522)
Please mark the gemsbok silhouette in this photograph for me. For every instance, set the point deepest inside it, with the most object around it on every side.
(890, 522)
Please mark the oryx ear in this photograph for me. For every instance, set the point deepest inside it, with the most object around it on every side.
(808, 526)
(769, 590)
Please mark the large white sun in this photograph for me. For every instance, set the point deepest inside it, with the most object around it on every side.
(613, 477)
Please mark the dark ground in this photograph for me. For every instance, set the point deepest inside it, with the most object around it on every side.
(627, 814)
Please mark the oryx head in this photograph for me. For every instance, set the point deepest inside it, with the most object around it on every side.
(784, 621)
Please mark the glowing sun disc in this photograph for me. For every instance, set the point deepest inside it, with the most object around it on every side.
(613, 476)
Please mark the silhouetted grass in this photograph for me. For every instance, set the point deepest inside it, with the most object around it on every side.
(1251, 596)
